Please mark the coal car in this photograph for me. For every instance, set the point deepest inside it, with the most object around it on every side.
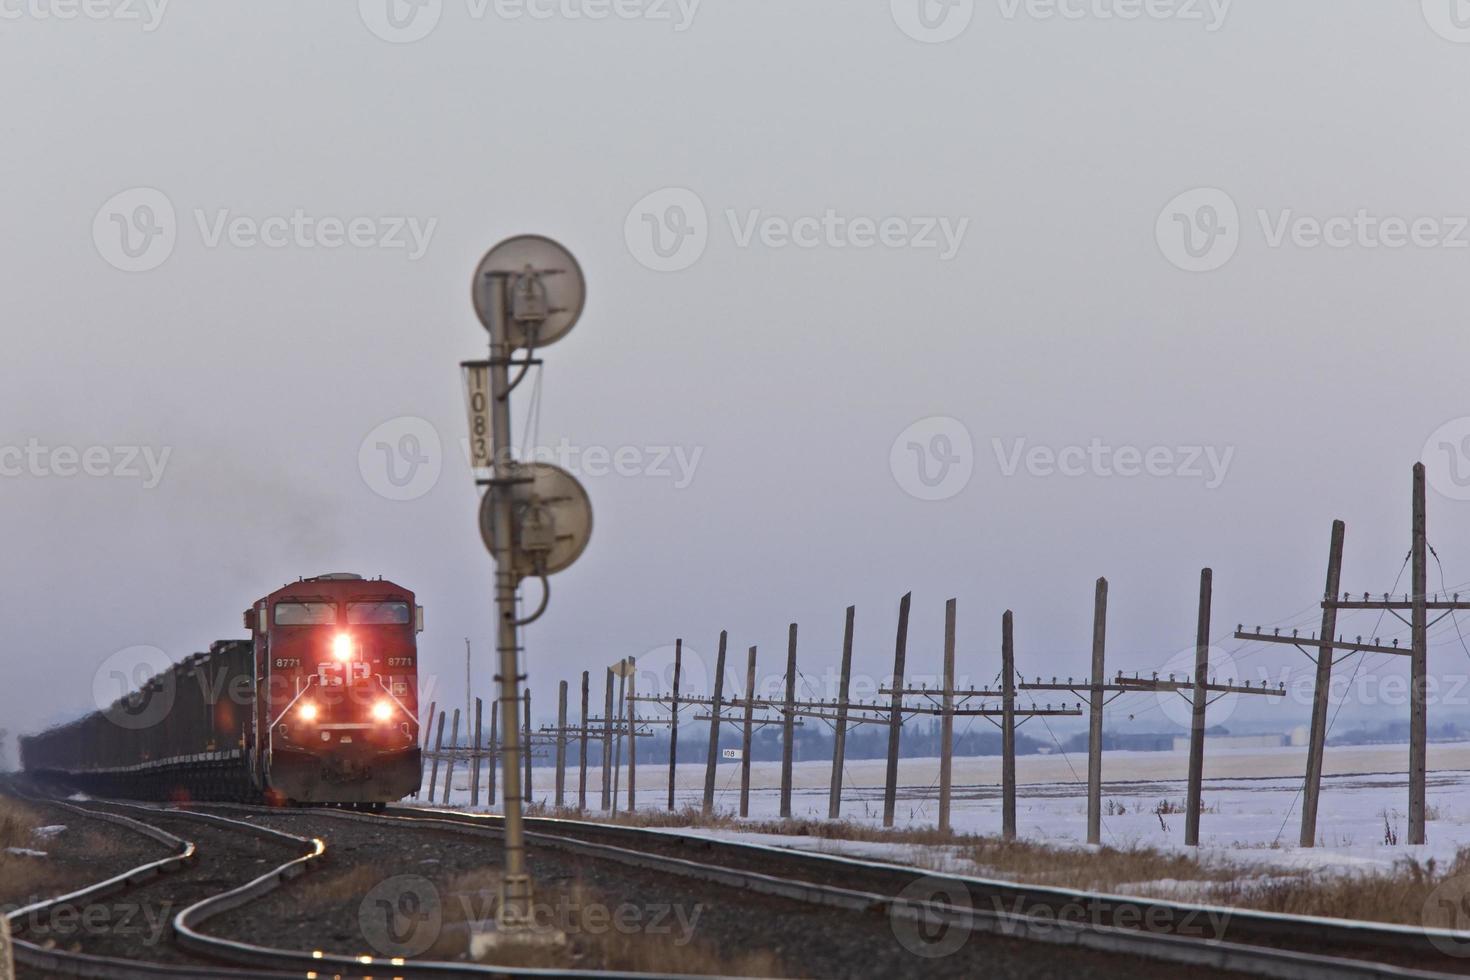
(318, 706)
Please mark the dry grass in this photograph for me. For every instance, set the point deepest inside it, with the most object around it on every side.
(1426, 894)
(21, 877)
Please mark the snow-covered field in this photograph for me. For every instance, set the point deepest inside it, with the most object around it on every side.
(1251, 796)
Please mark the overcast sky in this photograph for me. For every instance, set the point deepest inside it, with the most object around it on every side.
(841, 258)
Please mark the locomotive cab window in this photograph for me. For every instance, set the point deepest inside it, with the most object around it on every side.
(306, 614)
(378, 614)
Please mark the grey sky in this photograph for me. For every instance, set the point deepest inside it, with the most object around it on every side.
(1059, 320)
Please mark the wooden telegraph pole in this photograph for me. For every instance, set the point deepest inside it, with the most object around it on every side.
(561, 745)
(1418, 604)
(1419, 667)
(745, 738)
(631, 670)
(475, 756)
(1095, 713)
(607, 729)
(1198, 704)
(895, 717)
(674, 722)
(529, 797)
(839, 744)
(946, 720)
(788, 729)
(1317, 740)
(582, 749)
(1008, 726)
(453, 752)
(714, 728)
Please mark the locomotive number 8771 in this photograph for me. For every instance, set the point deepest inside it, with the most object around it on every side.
(338, 722)
(319, 705)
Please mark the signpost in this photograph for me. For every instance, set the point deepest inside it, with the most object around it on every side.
(536, 520)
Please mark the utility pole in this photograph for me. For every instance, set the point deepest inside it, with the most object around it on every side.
(674, 720)
(895, 717)
(1419, 667)
(839, 744)
(788, 729)
(1008, 726)
(1095, 713)
(1317, 740)
(714, 728)
(946, 720)
(561, 745)
(1417, 604)
(582, 750)
(453, 754)
(1198, 704)
(745, 740)
(631, 668)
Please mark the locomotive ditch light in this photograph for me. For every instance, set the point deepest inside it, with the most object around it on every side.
(308, 712)
(382, 711)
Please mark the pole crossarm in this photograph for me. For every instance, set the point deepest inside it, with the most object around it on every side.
(1340, 644)
(1156, 684)
(1406, 604)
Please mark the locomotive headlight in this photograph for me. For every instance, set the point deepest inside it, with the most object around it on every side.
(342, 647)
(382, 711)
(308, 712)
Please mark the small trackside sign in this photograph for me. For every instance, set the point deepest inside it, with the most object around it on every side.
(732, 753)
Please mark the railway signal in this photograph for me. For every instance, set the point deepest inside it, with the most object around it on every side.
(528, 293)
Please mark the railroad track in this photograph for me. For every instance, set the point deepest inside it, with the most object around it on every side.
(1228, 940)
(201, 954)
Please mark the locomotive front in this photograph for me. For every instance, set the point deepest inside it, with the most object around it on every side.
(337, 720)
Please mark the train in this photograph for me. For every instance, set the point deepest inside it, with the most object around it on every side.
(319, 706)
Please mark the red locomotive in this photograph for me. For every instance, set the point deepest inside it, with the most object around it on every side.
(320, 705)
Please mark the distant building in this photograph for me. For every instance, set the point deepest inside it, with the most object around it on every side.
(1181, 742)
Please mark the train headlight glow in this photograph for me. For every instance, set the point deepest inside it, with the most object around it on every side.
(382, 711)
(308, 712)
(342, 647)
